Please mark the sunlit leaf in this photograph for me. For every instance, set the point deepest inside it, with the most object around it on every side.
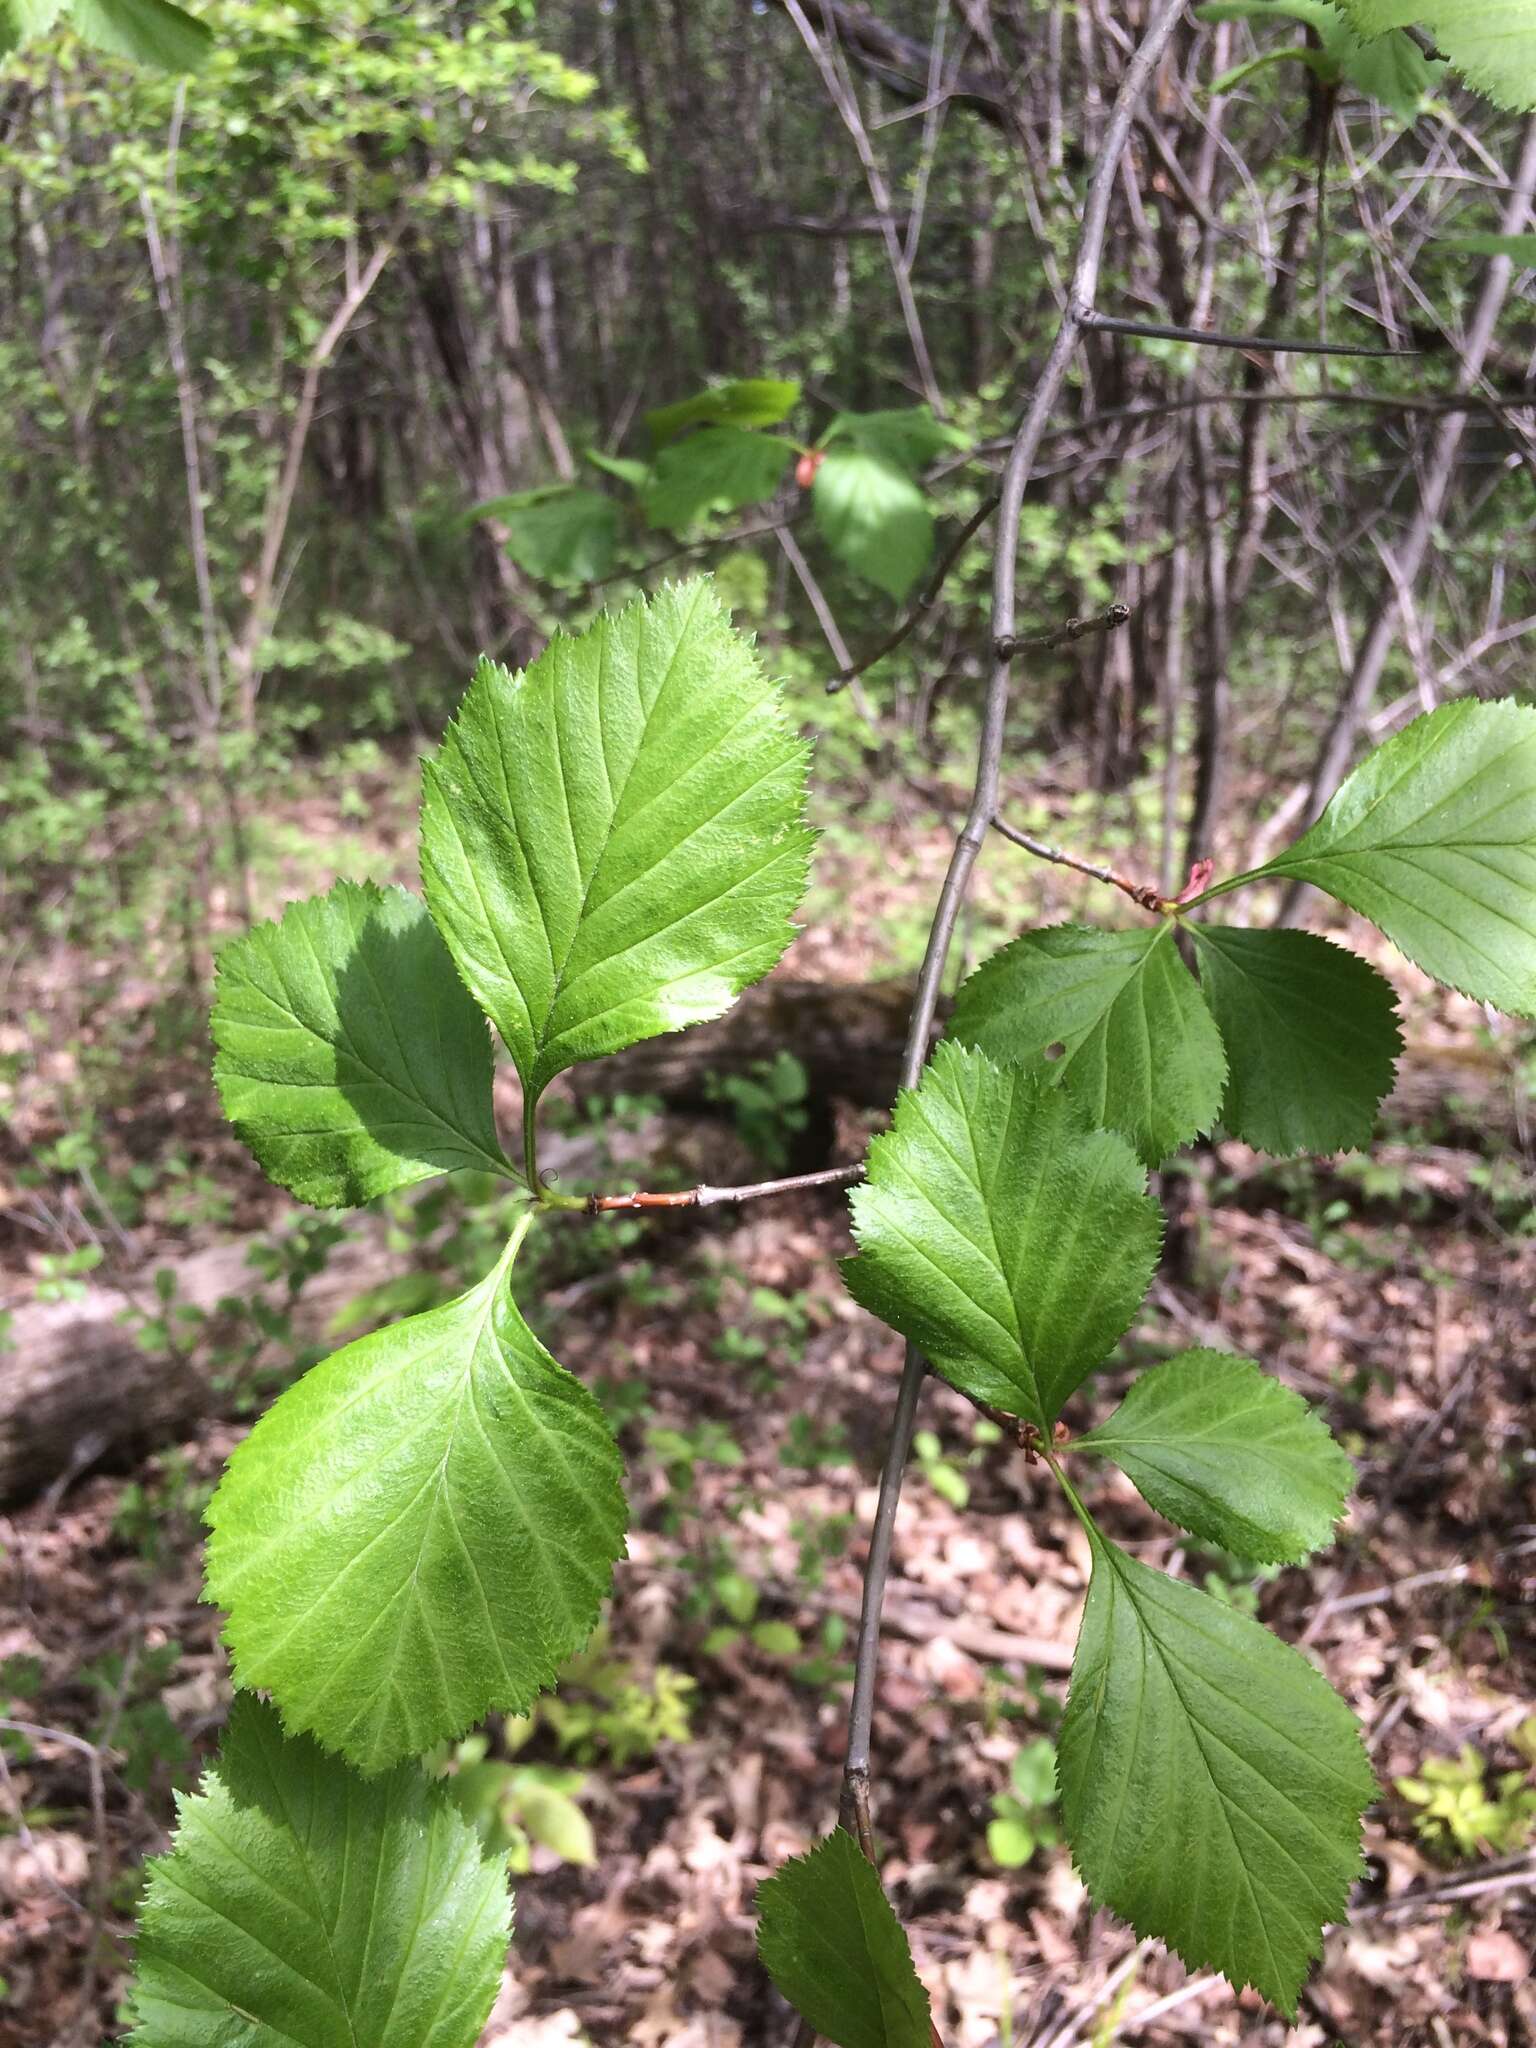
(302, 1903)
(1433, 837)
(612, 841)
(421, 1529)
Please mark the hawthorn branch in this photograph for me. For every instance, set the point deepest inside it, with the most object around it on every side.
(1141, 893)
(854, 1813)
(704, 1196)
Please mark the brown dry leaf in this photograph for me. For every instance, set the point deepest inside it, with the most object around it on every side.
(1496, 1957)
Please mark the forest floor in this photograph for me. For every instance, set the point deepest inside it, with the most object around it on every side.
(751, 1398)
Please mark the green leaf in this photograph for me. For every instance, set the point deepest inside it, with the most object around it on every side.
(612, 842)
(1010, 1843)
(21, 20)
(1433, 837)
(624, 467)
(908, 439)
(303, 1903)
(555, 1821)
(559, 533)
(350, 1058)
(832, 1945)
(145, 31)
(745, 402)
(1311, 1036)
(716, 469)
(1521, 249)
(1138, 1048)
(1492, 43)
(1229, 1454)
(420, 1530)
(1392, 70)
(1212, 1781)
(873, 518)
(1010, 1242)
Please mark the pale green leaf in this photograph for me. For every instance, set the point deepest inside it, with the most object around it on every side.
(1212, 1782)
(351, 1060)
(1433, 837)
(909, 438)
(873, 518)
(716, 469)
(559, 533)
(1492, 43)
(624, 467)
(1311, 1036)
(612, 842)
(831, 1943)
(145, 31)
(21, 20)
(1114, 1018)
(1009, 1241)
(745, 402)
(420, 1530)
(302, 1903)
(1229, 1454)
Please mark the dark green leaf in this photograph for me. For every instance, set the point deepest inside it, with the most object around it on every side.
(612, 843)
(1433, 837)
(561, 534)
(1311, 1036)
(832, 1945)
(421, 1529)
(1004, 1237)
(873, 518)
(716, 469)
(1137, 1046)
(302, 1903)
(351, 1059)
(745, 402)
(1229, 1454)
(1212, 1782)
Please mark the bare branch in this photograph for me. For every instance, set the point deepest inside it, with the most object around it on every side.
(1162, 19)
(1212, 337)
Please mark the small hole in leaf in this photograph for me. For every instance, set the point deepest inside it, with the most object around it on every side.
(1054, 1052)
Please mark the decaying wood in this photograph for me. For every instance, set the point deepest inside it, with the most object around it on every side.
(78, 1388)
